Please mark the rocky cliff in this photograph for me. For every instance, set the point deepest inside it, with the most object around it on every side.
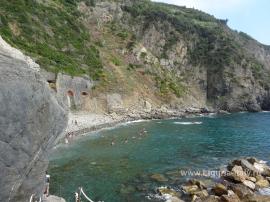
(142, 56)
(30, 120)
(162, 54)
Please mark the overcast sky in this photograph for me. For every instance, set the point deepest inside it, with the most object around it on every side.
(249, 16)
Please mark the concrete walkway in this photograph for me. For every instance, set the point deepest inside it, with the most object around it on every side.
(53, 198)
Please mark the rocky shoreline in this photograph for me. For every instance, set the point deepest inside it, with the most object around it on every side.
(244, 180)
(81, 123)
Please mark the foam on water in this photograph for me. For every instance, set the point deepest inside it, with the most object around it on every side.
(188, 123)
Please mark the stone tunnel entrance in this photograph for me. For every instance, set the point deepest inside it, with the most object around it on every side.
(71, 100)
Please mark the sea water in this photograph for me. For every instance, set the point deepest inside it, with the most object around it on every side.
(124, 171)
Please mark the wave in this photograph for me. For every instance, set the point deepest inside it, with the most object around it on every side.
(135, 121)
(188, 123)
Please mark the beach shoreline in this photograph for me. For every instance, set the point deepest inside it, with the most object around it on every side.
(82, 123)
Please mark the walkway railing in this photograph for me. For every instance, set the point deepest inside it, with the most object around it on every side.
(32, 198)
(81, 192)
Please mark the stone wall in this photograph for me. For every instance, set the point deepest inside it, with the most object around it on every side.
(73, 90)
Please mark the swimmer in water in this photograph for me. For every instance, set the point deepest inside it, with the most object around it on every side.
(126, 141)
(144, 131)
(112, 143)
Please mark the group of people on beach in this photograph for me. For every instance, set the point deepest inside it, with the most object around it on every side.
(141, 133)
(70, 135)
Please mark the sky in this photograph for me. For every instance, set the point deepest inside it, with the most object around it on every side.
(249, 16)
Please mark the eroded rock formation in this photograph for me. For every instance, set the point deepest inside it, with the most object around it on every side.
(30, 121)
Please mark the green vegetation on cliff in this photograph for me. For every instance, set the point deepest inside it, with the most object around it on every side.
(211, 43)
(139, 46)
(52, 33)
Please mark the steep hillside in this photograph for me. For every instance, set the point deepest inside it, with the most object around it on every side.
(161, 54)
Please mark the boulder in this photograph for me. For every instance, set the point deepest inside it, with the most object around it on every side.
(252, 179)
(240, 190)
(174, 199)
(212, 198)
(252, 160)
(230, 198)
(199, 183)
(219, 189)
(168, 191)
(190, 189)
(256, 198)
(262, 183)
(249, 168)
(249, 184)
(237, 174)
(201, 194)
(259, 177)
(262, 168)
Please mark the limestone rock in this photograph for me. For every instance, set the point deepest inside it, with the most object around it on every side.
(262, 168)
(9, 51)
(220, 189)
(262, 183)
(190, 189)
(237, 174)
(248, 167)
(166, 190)
(212, 198)
(147, 106)
(252, 179)
(174, 199)
(230, 198)
(201, 194)
(249, 184)
(240, 190)
(30, 121)
(199, 183)
(256, 198)
(252, 160)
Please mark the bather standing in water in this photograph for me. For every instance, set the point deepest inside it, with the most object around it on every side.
(112, 143)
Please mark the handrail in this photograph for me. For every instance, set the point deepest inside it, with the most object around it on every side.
(31, 198)
(85, 195)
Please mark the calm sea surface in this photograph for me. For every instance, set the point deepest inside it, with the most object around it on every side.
(122, 172)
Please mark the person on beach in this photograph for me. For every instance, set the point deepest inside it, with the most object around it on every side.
(66, 140)
(47, 184)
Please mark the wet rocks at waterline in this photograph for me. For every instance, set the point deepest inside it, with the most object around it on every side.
(244, 180)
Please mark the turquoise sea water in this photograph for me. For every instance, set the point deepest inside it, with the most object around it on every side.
(122, 172)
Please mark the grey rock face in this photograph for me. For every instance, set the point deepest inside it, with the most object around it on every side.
(30, 120)
(114, 102)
